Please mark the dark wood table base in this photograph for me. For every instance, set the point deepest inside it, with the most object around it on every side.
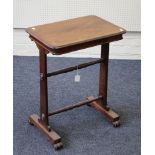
(99, 103)
(113, 117)
(55, 139)
(51, 135)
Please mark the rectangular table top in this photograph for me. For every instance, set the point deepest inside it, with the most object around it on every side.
(74, 31)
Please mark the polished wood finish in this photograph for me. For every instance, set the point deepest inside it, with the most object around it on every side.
(64, 37)
(80, 66)
(52, 136)
(103, 79)
(43, 88)
(110, 114)
(76, 47)
(74, 32)
(77, 105)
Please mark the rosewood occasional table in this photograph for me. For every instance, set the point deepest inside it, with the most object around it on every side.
(64, 37)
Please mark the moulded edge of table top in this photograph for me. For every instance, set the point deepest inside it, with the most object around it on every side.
(71, 28)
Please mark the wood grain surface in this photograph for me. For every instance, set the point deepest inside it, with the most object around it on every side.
(74, 31)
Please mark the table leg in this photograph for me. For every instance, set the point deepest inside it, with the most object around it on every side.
(42, 122)
(101, 105)
(103, 78)
(43, 89)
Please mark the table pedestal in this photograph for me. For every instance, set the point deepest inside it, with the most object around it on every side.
(99, 103)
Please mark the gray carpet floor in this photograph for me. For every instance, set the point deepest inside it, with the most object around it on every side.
(83, 130)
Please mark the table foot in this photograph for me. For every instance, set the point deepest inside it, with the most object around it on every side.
(58, 146)
(51, 135)
(113, 117)
(116, 124)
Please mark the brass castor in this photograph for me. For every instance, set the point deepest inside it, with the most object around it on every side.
(58, 146)
(30, 122)
(116, 124)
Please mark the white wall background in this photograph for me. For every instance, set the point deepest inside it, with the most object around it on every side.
(125, 13)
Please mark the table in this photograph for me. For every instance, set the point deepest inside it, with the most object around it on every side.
(68, 36)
